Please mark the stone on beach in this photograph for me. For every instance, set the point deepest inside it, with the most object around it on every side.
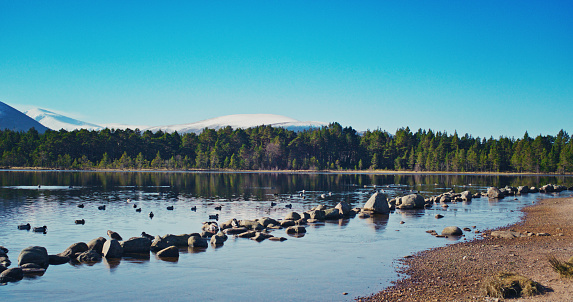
(507, 234)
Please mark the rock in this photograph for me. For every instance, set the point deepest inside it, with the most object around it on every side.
(197, 241)
(266, 221)
(5, 261)
(210, 227)
(319, 207)
(292, 216)
(363, 215)
(445, 199)
(170, 252)
(452, 231)
(218, 239)
(89, 256)
(343, 208)
(30, 265)
(74, 249)
(114, 235)
(248, 234)
(34, 254)
(378, 203)
(277, 239)
(235, 231)
(260, 236)
(412, 201)
(3, 250)
(137, 245)
(438, 216)
(521, 190)
(97, 244)
(251, 225)
(493, 192)
(466, 195)
(317, 214)
(178, 240)
(507, 234)
(287, 223)
(11, 275)
(296, 230)
(332, 214)
(57, 259)
(227, 224)
(112, 249)
(2, 268)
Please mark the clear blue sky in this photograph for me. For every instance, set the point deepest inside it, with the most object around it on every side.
(487, 68)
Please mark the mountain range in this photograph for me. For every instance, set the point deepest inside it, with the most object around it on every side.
(42, 119)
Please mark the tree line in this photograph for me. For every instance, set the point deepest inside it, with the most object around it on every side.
(332, 147)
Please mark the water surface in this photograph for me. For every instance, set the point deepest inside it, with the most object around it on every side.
(356, 256)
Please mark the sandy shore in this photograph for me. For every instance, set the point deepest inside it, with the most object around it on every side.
(456, 272)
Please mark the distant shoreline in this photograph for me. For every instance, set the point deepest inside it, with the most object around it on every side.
(373, 172)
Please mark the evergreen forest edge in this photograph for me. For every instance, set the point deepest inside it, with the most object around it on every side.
(330, 147)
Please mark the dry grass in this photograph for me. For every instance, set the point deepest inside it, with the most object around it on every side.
(564, 268)
(511, 285)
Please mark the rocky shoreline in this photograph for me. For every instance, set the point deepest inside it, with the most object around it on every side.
(457, 272)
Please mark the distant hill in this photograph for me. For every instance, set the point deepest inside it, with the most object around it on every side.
(243, 121)
(57, 121)
(15, 120)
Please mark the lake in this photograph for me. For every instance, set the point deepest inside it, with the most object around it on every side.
(355, 256)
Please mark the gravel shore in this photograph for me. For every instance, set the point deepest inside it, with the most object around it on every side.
(456, 272)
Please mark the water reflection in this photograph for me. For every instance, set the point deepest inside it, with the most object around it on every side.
(112, 264)
(378, 221)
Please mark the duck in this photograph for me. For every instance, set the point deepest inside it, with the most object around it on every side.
(145, 235)
(138, 210)
(216, 216)
(135, 206)
(288, 206)
(235, 223)
(80, 221)
(128, 200)
(101, 207)
(81, 206)
(170, 208)
(194, 208)
(273, 204)
(24, 227)
(114, 235)
(218, 208)
(42, 229)
(151, 215)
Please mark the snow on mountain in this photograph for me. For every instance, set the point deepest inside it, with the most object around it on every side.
(15, 120)
(57, 121)
(243, 121)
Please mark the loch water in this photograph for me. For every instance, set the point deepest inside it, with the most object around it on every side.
(354, 256)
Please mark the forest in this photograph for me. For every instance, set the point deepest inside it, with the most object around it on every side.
(332, 147)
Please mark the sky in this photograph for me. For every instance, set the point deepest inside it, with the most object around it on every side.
(486, 68)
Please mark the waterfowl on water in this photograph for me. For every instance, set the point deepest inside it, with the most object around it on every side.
(101, 208)
(41, 229)
(218, 208)
(194, 208)
(80, 221)
(288, 206)
(114, 235)
(170, 208)
(138, 210)
(81, 206)
(151, 215)
(273, 204)
(135, 206)
(128, 200)
(216, 216)
(24, 226)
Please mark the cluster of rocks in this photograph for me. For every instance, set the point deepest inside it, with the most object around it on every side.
(499, 193)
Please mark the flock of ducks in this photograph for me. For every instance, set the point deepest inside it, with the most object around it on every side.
(44, 229)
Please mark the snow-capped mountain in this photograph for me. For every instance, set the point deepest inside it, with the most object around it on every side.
(243, 121)
(57, 121)
(15, 120)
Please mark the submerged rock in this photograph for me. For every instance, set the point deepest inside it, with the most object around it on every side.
(11, 275)
(170, 252)
(57, 259)
(137, 245)
(89, 256)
